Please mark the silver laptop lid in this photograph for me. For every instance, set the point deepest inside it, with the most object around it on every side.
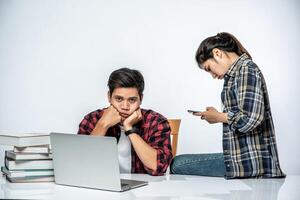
(86, 161)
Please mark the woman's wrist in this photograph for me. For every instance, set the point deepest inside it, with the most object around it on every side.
(223, 118)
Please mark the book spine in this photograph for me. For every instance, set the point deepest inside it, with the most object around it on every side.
(31, 179)
(32, 149)
(28, 156)
(28, 164)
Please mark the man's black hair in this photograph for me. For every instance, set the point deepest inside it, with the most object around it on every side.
(126, 78)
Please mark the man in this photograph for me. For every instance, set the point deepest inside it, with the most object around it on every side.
(143, 135)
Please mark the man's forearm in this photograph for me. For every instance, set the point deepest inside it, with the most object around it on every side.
(100, 129)
(145, 152)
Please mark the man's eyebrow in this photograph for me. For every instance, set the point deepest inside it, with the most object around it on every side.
(132, 98)
(117, 96)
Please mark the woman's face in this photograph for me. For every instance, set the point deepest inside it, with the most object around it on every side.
(218, 65)
(214, 68)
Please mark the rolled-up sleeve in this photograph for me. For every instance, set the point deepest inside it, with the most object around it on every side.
(250, 112)
(161, 142)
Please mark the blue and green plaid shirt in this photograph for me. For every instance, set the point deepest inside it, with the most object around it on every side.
(249, 143)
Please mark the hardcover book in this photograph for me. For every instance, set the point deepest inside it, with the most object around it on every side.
(33, 149)
(27, 173)
(25, 139)
(28, 156)
(28, 164)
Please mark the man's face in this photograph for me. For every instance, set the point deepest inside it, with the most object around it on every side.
(125, 100)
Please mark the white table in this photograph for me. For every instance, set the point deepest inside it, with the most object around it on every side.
(164, 187)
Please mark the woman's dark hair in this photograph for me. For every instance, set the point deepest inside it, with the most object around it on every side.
(127, 78)
(223, 41)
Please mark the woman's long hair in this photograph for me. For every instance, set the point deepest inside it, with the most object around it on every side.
(223, 41)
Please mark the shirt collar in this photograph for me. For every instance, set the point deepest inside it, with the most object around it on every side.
(236, 64)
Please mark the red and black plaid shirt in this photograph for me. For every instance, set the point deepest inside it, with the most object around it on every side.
(154, 129)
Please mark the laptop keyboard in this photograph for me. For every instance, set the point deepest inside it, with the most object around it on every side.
(123, 184)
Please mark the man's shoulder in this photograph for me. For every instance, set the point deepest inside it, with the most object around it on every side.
(150, 115)
(96, 113)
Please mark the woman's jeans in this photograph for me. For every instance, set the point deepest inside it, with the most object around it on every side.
(211, 164)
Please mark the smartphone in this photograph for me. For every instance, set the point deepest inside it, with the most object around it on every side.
(193, 111)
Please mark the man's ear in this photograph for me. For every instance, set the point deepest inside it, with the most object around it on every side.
(109, 97)
(142, 96)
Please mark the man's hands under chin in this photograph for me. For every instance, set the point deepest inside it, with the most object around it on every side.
(109, 118)
(134, 118)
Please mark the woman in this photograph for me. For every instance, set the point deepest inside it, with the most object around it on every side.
(249, 145)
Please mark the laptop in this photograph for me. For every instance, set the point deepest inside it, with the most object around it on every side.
(88, 161)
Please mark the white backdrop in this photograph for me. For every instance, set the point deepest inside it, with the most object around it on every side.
(56, 56)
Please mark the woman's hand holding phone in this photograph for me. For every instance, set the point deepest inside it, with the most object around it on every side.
(193, 111)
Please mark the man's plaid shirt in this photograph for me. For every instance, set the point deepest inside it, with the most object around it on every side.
(154, 129)
(249, 144)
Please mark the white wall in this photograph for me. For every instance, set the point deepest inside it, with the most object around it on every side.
(56, 56)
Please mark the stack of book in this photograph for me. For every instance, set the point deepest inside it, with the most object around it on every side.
(30, 160)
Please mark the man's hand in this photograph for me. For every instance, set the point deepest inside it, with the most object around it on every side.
(211, 115)
(109, 118)
(146, 153)
(134, 118)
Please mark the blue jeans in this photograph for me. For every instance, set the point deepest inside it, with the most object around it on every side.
(211, 164)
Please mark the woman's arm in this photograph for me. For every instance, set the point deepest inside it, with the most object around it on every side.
(250, 98)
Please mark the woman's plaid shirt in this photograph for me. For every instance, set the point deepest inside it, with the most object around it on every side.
(249, 144)
(154, 129)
